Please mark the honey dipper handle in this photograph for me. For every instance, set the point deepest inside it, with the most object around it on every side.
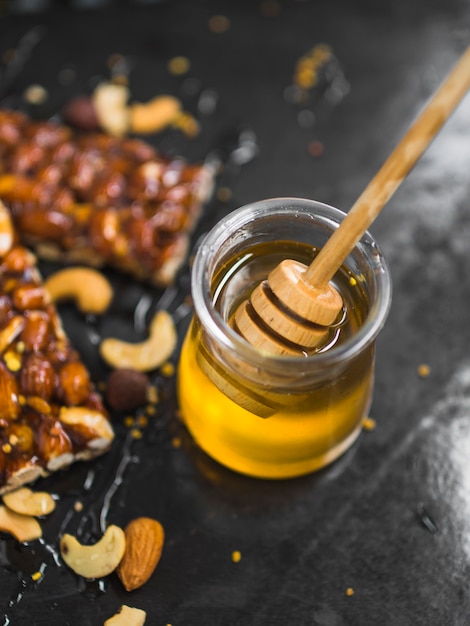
(390, 175)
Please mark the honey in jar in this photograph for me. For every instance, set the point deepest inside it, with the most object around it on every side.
(278, 416)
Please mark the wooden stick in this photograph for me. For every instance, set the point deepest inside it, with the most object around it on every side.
(390, 176)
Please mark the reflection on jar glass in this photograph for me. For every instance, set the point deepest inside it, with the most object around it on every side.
(278, 416)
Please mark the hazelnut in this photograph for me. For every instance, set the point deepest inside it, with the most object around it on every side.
(127, 389)
(80, 112)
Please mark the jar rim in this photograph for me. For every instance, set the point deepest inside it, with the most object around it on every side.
(220, 331)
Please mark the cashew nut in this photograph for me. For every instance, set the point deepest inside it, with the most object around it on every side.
(89, 288)
(6, 230)
(97, 560)
(154, 115)
(22, 527)
(110, 101)
(127, 616)
(27, 502)
(147, 355)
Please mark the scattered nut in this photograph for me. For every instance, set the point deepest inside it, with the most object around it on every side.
(89, 288)
(127, 616)
(22, 527)
(154, 115)
(127, 389)
(144, 544)
(98, 560)
(27, 502)
(81, 113)
(108, 109)
(147, 355)
(110, 102)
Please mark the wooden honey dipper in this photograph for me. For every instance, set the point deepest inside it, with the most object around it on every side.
(290, 313)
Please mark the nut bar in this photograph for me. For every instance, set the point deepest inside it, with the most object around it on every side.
(50, 413)
(101, 200)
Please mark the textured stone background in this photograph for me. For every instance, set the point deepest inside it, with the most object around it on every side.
(391, 519)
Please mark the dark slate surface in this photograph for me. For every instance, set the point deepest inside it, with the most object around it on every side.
(391, 519)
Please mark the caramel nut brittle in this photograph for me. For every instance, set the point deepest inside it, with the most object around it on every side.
(98, 199)
(41, 376)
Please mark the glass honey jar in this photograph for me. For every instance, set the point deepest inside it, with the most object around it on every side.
(272, 416)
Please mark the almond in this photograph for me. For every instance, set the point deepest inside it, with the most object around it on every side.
(144, 544)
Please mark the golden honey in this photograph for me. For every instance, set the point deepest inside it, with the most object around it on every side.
(269, 416)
